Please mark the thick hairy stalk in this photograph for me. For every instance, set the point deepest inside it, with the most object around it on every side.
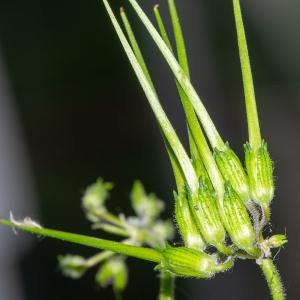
(273, 279)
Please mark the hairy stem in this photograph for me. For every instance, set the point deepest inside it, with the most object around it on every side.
(273, 279)
(167, 285)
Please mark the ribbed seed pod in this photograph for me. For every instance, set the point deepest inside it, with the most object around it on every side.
(237, 221)
(191, 263)
(232, 170)
(187, 226)
(260, 172)
(207, 218)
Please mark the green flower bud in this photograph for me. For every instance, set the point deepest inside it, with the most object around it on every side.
(114, 272)
(232, 170)
(94, 199)
(191, 263)
(260, 172)
(237, 221)
(277, 240)
(207, 218)
(147, 207)
(73, 266)
(163, 230)
(187, 226)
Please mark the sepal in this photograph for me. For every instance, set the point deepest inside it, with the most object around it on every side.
(260, 172)
(187, 226)
(232, 170)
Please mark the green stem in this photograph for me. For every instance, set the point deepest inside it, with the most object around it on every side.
(273, 279)
(128, 250)
(161, 117)
(167, 285)
(252, 116)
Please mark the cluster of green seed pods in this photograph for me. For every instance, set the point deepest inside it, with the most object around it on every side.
(226, 222)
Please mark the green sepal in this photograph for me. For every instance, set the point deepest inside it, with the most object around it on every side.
(186, 262)
(186, 224)
(260, 172)
(232, 170)
(237, 221)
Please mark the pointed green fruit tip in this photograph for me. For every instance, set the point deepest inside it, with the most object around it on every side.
(156, 7)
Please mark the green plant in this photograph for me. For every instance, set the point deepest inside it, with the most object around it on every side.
(221, 208)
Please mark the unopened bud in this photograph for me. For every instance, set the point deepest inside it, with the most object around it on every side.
(113, 272)
(146, 206)
(191, 263)
(73, 266)
(94, 199)
(237, 221)
(187, 226)
(260, 172)
(277, 240)
(232, 170)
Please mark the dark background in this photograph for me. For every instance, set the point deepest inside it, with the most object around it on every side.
(77, 112)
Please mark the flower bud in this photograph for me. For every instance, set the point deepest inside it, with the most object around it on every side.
(114, 272)
(260, 172)
(237, 221)
(73, 266)
(232, 170)
(187, 226)
(148, 207)
(205, 212)
(277, 240)
(94, 199)
(191, 263)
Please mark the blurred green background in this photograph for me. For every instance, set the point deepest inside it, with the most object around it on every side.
(81, 114)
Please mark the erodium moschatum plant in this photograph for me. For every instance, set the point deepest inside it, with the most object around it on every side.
(222, 202)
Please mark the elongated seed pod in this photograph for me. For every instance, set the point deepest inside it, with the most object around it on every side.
(237, 221)
(260, 172)
(232, 170)
(191, 263)
(187, 226)
(207, 218)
